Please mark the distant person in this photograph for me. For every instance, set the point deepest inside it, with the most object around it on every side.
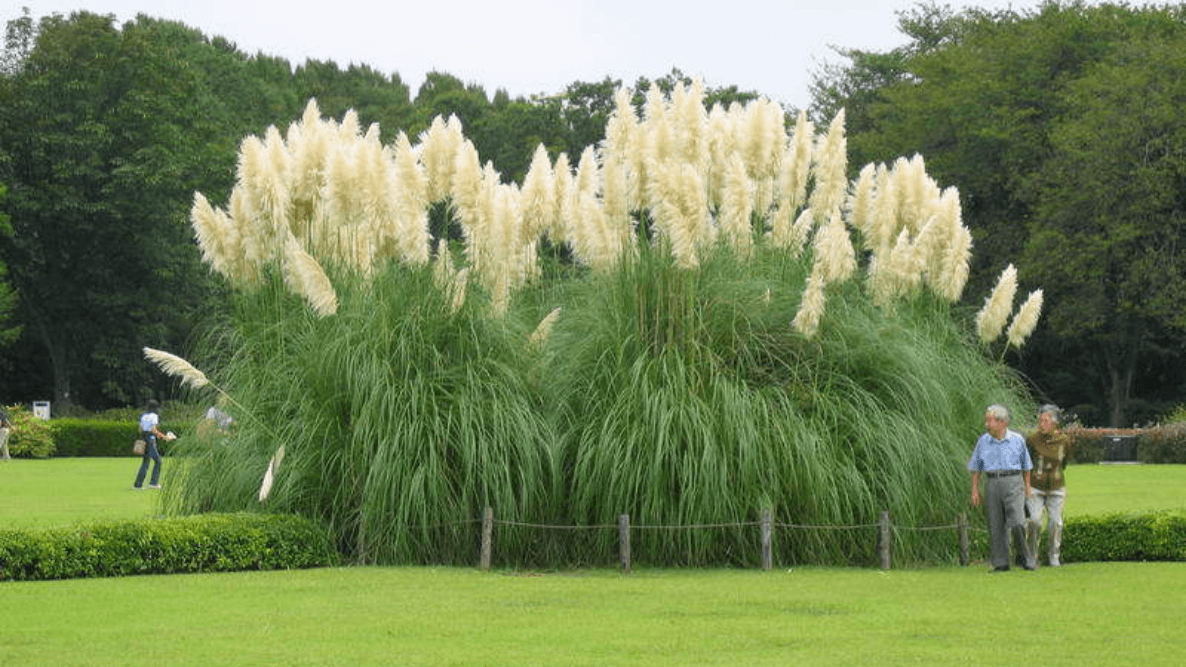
(219, 418)
(1050, 449)
(5, 429)
(149, 433)
(1001, 456)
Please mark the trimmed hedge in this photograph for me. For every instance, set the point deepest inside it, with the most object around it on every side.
(1158, 444)
(204, 543)
(93, 437)
(1148, 536)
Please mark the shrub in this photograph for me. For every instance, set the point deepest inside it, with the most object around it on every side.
(1160, 444)
(31, 436)
(1163, 444)
(1150, 536)
(207, 543)
(1176, 416)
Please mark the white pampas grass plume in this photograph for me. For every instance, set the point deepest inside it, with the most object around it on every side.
(538, 196)
(811, 308)
(797, 233)
(883, 225)
(304, 276)
(467, 184)
(796, 165)
(690, 122)
(992, 317)
(831, 161)
(1025, 320)
(438, 150)
(265, 488)
(544, 328)
(860, 204)
(835, 258)
(410, 192)
(174, 365)
(957, 259)
(737, 206)
(565, 201)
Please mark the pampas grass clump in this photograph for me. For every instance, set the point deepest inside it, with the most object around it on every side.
(732, 340)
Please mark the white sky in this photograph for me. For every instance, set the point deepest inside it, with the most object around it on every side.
(541, 46)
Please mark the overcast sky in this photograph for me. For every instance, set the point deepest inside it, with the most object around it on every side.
(541, 46)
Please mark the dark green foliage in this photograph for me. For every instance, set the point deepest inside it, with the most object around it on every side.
(1151, 536)
(209, 543)
(88, 437)
(1062, 128)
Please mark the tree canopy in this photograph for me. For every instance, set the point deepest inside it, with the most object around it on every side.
(1062, 128)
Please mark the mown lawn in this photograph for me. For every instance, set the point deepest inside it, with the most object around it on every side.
(63, 491)
(1079, 614)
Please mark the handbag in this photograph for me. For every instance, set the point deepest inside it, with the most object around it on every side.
(138, 447)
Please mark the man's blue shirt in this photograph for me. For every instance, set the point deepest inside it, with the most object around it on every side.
(1008, 453)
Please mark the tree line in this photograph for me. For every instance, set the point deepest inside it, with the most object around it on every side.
(1057, 126)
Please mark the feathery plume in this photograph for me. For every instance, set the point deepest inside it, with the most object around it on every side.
(831, 161)
(860, 203)
(737, 207)
(997, 306)
(957, 259)
(544, 328)
(304, 275)
(811, 309)
(539, 196)
(835, 259)
(265, 487)
(1025, 320)
(174, 365)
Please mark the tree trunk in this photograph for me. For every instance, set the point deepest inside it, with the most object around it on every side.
(1121, 363)
(59, 359)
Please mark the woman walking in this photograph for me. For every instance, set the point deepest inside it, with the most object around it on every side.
(149, 421)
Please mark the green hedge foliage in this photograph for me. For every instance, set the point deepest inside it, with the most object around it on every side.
(205, 543)
(1159, 444)
(87, 437)
(1149, 536)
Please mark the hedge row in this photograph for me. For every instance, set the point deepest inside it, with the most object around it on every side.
(1159, 444)
(205, 543)
(1149, 536)
(88, 437)
(36, 438)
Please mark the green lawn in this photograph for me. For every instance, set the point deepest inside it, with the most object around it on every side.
(56, 492)
(1079, 614)
(1103, 488)
(64, 491)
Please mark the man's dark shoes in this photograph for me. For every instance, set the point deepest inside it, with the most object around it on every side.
(1000, 568)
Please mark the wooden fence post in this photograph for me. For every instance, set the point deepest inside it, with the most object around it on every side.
(965, 552)
(883, 523)
(767, 549)
(624, 541)
(487, 530)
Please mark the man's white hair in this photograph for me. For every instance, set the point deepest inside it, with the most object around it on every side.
(999, 411)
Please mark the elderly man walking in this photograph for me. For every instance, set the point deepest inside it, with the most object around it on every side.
(1002, 457)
